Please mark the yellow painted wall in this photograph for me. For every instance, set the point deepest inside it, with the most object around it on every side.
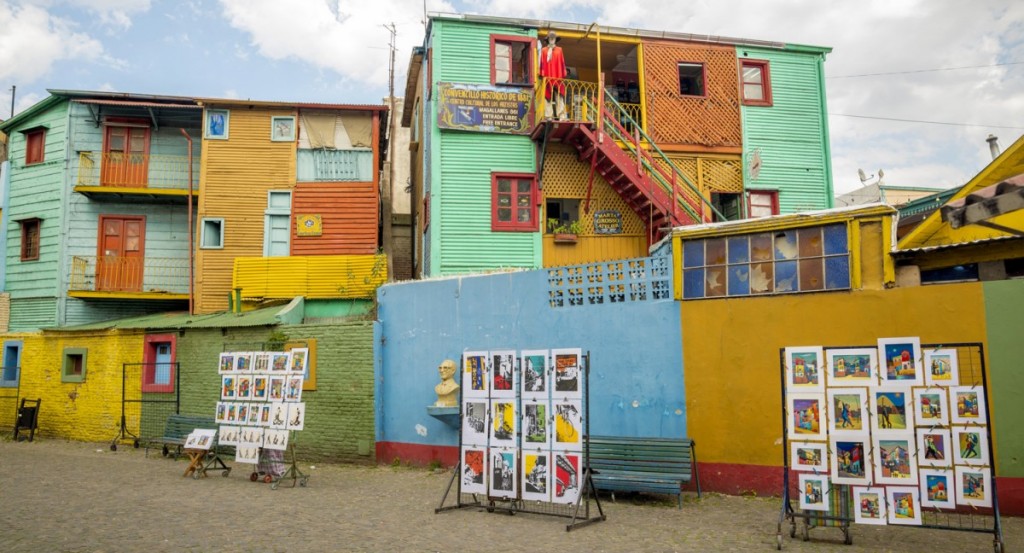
(731, 353)
(235, 177)
(315, 277)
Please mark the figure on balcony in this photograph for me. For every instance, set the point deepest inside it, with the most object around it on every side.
(552, 68)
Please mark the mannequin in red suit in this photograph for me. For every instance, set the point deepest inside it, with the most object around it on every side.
(552, 66)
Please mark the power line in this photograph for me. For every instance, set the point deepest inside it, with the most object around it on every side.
(927, 70)
(926, 122)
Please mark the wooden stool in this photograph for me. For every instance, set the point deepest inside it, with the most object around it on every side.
(195, 462)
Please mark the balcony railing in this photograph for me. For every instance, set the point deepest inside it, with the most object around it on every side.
(116, 274)
(579, 96)
(135, 170)
(315, 276)
(334, 165)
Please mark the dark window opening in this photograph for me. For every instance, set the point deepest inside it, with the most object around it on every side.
(726, 204)
(691, 79)
(959, 273)
(560, 212)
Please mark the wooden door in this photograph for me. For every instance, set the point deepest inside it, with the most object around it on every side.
(121, 251)
(125, 157)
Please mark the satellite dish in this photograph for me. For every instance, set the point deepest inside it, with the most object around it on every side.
(863, 177)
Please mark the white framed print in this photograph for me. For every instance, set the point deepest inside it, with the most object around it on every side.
(941, 367)
(296, 415)
(536, 475)
(275, 439)
(259, 387)
(503, 423)
(280, 361)
(216, 126)
(970, 445)
(264, 414)
(904, 505)
(937, 488)
(293, 388)
(568, 477)
(243, 362)
(282, 128)
(850, 463)
(967, 405)
(895, 459)
(275, 387)
(891, 409)
(534, 425)
(567, 373)
(534, 374)
(568, 431)
(806, 416)
(933, 447)
(848, 411)
(900, 361)
(474, 374)
(804, 369)
(261, 361)
(222, 412)
(247, 454)
(254, 414)
(278, 415)
(503, 472)
(974, 486)
(243, 387)
(808, 456)
(869, 506)
(227, 387)
(852, 367)
(931, 407)
(474, 422)
(228, 435)
(226, 363)
(474, 470)
(813, 492)
(503, 364)
(299, 361)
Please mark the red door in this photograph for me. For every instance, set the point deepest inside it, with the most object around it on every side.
(125, 157)
(121, 252)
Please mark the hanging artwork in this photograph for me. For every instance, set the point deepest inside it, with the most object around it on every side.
(806, 412)
(534, 374)
(264, 414)
(251, 436)
(813, 490)
(808, 456)
(254, 414)
(942, 367)
(243, 362)
(567, 373)
(849, 409)
(568, 475)
(970, 445)
(222, 412)
(299, 361)
(279, 362)
(804, 369)
(279, 415)
(200, 438)
(232, 415)
(242, 416)
(536, 476)
(296, 415)
(261, 361)
(850, 464)
(852, 367)
(502, 372)
(973, 486)
(568, 425)
(892, 410)
(259, 387)
(474, 376)
(869, 506)
(474, 466)
(247, 454)
(931, 407)
(243, 387)
(968, 405)
(275, 385)
(904, 505)
(275, 439)
(293, 388)
(937, 488)
(503, 425)
(227, 388)
(474, 422)
(503, 472)
(226, 364)
(228, 435)
(900, 360)
(535, 424)
(933, 448)
(895, 459)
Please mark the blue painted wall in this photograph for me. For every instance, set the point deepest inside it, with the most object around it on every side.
(636, 382)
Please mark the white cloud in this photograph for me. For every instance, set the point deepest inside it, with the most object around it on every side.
(34, 40)
(114, 13)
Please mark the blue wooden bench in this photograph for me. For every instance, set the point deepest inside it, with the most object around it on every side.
(177, 429)
(655, 465)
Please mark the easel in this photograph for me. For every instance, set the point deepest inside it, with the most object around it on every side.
(293, 472)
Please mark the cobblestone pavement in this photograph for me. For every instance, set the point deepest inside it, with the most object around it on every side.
(70, 496)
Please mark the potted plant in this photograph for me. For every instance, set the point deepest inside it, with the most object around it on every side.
(566, 232)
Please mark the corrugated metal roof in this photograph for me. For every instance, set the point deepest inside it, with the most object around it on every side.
(178, 320)
(136, 104)
(1002, 238)
(300, 105)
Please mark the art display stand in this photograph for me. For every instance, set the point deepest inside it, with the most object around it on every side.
(844, 507)
(215, 462)
(292, 472)
(580, 511)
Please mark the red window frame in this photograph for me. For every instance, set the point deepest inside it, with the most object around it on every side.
(35, 146)
(514, 225)
(30, 231)
(773, 202)
(703, 78)
(528, 43)
(149, 362)
(765, 83)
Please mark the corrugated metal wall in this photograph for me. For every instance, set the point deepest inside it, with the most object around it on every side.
(349, 212)
(315, 277)
(32, 313)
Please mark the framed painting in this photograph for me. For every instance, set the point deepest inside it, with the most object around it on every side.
(931, 407)
(243, 362)
(275, 439)
(973, 486)
(227, 387)
(217, 125)
(222, 412)
(243, 387)
(900, 361)
(279, 415)
(242, 415)
(804, 369)
(568, 425)
(260, 362)
(282, 128)
(806, 416)
(850, 463)
(502, 374)
(275, 387)
(190, 440)
(254, 414)
(299, 361)
(247, 455)
(226, 363)
(968, 405)
(904, 505)
(568, 477)
(937, 488)
(307, 360)
(474, 468)
(942, 367)
(536, 483)
(813, 491)
(259, 387)
(296, 415)
(895, 459)
(253, 436)
(534, 425)
(264, 414)
(232, 414)
(568, 373)
(852, 367)
(474, 422)
(970, 445)
(533, 376)
(891, 409)
(503, 423)
(503, 472)
(849, 409)
(808, 456)
(474, 374)
(933, 447)
(228, 435)
(293, 388)
(869, 506)
(279, 362)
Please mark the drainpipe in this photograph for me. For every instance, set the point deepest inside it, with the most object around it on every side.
(191, 244)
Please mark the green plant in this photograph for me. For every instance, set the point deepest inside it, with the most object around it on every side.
(556, 226)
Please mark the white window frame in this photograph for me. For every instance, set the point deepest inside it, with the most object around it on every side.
(220, 233)
(276, 211)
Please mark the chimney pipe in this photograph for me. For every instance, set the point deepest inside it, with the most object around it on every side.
(993, 145)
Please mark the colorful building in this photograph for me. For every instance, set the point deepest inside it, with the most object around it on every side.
(641, 131)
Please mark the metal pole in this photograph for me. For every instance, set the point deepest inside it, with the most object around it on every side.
(14, 89)
(191, 244)
(387, 200)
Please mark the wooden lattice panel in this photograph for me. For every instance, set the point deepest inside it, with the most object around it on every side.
(722, 175)
(711, 120)
(565, 176)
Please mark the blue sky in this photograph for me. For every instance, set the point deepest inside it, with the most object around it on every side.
(955, 64)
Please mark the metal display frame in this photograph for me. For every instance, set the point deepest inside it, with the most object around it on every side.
(840, 513)
(579, 512)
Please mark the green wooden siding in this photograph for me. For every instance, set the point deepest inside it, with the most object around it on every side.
(1003, 321)
(792, 134)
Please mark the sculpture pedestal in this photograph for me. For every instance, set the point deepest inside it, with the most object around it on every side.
(447, 415)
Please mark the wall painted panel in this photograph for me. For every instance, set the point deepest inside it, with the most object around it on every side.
(349, 213)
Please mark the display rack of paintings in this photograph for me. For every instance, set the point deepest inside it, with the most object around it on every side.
(892, 434)
(523, 435)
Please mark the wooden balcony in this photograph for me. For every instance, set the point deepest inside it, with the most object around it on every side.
(114, 277)
(117, 175)
(314, 277)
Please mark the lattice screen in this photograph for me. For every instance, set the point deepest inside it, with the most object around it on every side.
(565, 176)
(712, 120)
(626, 280)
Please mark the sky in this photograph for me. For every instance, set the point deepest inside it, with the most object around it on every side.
(913, 87)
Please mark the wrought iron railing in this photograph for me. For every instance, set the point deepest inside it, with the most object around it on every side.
(135, 170)
(580, 99)
(157, 275)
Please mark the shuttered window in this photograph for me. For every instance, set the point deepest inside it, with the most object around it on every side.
(30, 239)
(35, 146)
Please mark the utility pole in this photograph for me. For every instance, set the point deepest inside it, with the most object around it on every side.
(386, 196)
(14, 89)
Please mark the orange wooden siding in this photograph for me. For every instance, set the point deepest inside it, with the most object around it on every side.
(349, 213)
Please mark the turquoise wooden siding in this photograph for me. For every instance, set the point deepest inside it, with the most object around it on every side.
(792, 134)
(33, 313)
(78, 312)
(460, 237)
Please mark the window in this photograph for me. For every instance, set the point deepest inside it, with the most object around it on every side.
(756, 83)
(158, 363)
(511, 60)
(560, 212)
(513, 205)
(947, 275)
(728, 204)
(35, 146)
(277, 224)
(30, 229)
(796, 260)
(11, 370)
(691, 79)
(763, 203)
(211, 234)
(73, 368)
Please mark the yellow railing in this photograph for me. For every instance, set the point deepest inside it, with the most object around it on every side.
(316, 277)
(90, 273)
(578, 96)
(135, 170)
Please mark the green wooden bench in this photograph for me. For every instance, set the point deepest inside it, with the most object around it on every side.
(176, 431)
(656, 465)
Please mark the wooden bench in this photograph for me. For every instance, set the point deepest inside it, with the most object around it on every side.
(656, 465)
(177, 429)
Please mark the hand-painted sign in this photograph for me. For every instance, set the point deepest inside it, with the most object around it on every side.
(484, 108)
(607, 221)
